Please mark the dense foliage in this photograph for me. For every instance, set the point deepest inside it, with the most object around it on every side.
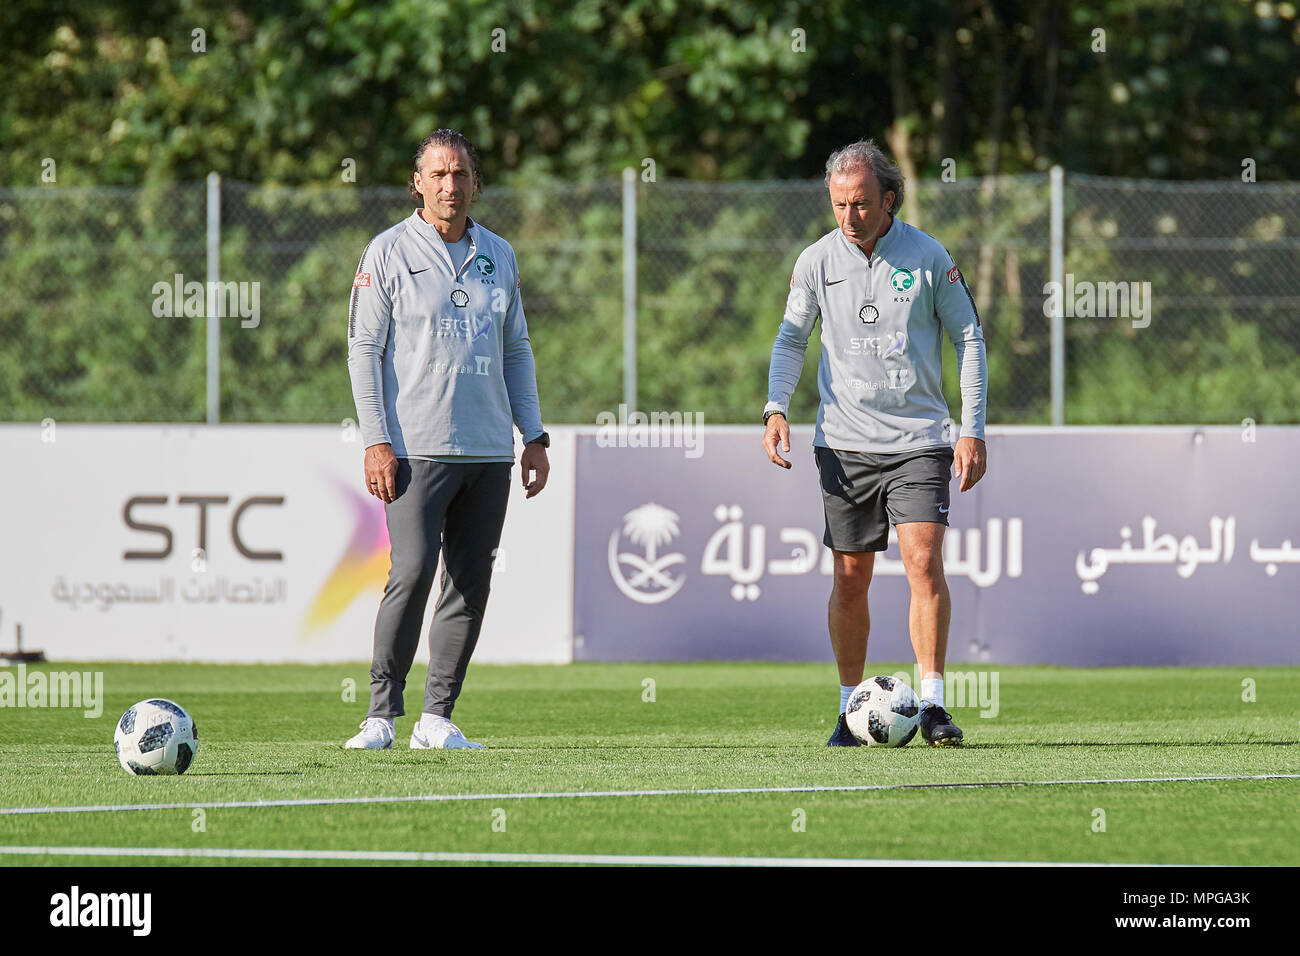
(117, 94)
(330, 98)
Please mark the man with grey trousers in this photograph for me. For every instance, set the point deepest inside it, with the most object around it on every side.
(441, 367)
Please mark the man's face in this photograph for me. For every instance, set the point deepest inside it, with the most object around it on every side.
(446, 181)
(859, 208)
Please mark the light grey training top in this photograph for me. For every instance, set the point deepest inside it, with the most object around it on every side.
(439, 356)
(459, 250)
(883, 318)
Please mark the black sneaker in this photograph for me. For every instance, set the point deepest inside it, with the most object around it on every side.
(937, 728)
(843, 737)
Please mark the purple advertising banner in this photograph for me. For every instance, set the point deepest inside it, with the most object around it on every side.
(1083, 547)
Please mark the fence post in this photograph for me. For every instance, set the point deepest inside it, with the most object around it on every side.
(1057, 267)
(214, 318)
(629, 288)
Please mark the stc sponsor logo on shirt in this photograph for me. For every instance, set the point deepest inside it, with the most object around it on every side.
(471, 329)
(877, 345)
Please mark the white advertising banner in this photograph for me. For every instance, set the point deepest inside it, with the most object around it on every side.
(240, 543)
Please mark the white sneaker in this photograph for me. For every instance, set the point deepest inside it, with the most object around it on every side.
(376, 734)
(439, 733)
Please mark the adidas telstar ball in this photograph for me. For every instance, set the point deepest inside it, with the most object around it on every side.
(883, 711)
(156, 737)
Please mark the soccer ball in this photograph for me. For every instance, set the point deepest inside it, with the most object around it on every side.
(156, 737)
(884, 711)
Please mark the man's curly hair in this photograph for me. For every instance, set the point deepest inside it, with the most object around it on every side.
(451, 139)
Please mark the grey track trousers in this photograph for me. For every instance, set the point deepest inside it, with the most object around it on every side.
(460, 507)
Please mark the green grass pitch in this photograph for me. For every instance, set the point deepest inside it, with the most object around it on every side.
(275, 732)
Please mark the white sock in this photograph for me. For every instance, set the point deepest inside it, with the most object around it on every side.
(428, 718)
(932, 692)
(845, 691)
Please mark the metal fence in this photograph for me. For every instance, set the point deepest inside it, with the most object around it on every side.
(1178, 302)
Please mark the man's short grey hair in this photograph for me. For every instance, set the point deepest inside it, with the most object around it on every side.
(865, 154)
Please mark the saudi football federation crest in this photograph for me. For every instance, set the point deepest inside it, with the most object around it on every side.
(485, 266)
(902, 281)
(650, 580)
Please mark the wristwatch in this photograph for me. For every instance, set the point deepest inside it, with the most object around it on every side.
(775, 411)
(543, 439)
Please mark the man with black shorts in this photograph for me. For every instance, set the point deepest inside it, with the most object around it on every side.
(886, 293)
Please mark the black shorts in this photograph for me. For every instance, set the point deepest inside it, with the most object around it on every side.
(863, 494)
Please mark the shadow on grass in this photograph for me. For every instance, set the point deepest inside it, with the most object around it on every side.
(1132, 743)
(246, 773)
(968, 745)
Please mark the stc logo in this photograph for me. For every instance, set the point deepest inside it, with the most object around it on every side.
(876, 345)
(136, 505)
(472, 329)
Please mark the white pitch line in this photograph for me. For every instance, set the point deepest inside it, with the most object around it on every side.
(553, 859)
(589, 794)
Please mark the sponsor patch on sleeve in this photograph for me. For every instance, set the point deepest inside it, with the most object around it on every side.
(362, 279)
(953, 275)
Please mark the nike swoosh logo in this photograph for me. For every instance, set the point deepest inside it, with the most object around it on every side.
(943, 511)
(833, 281)
(416, 272)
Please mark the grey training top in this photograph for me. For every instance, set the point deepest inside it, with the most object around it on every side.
(439, 356)
(883, 318)
(459, 250)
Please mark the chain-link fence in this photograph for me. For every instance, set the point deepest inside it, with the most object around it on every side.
(78, 338)
(1221, 342)
(1179, 300)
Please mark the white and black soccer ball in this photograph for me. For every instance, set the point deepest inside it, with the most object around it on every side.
(156, 736)
(883, 711)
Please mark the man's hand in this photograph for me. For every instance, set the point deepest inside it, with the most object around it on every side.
(381, 471)
(778, 430)
(969, 461)
(532, 460)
